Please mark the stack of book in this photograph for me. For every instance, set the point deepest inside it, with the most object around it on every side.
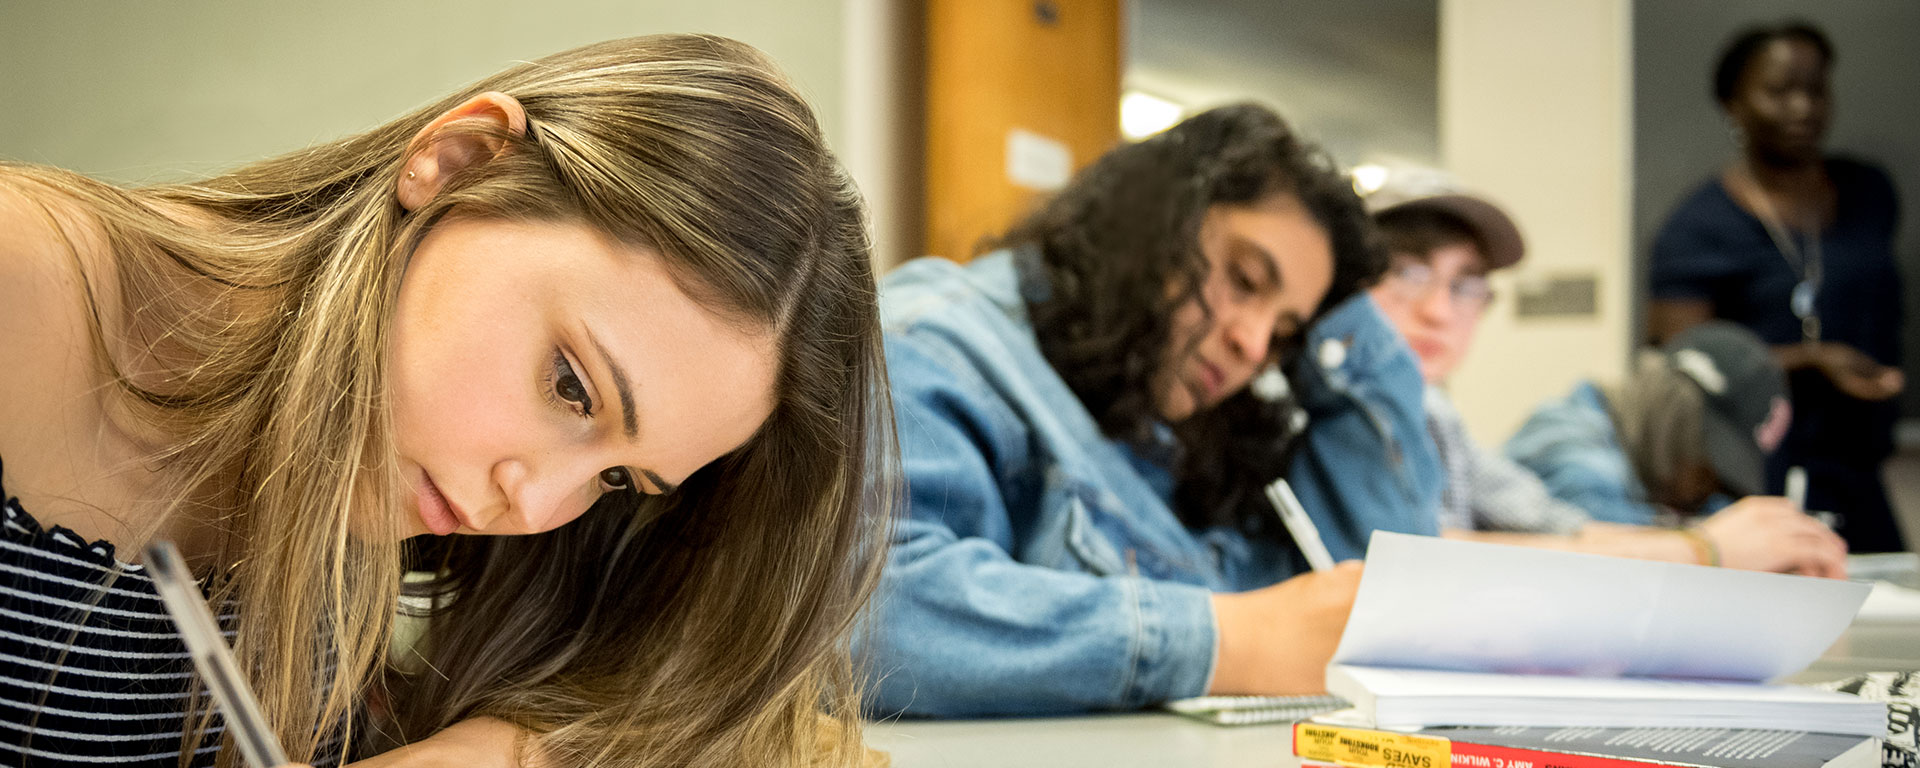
(1350, 746)
(1463, 654)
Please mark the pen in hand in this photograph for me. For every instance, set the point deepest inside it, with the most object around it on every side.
(1797, 487)
(1797, 493)
(1301, 527)
(212, 658)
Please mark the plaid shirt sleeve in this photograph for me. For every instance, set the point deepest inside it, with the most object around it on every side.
(1489, 492)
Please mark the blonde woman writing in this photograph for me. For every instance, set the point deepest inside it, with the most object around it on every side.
(608, 315)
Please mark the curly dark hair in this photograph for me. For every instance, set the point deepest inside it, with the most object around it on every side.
(1748, 43)
(1119, 250)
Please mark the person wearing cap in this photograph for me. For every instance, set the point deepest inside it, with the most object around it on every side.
(1442, 244)
(1686, 434)
(1694, 419)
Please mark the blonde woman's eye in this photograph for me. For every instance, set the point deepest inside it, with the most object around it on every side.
(567, 386)
(615, 479)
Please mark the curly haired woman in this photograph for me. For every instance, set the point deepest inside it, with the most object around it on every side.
(1085, 445)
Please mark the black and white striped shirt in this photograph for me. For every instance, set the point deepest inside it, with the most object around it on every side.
(92, 671)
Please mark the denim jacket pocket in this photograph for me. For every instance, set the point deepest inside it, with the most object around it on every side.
(1092, 548)
(1064, 536)
(1107, 542)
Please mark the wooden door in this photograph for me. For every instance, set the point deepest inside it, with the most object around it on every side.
(1019, 94)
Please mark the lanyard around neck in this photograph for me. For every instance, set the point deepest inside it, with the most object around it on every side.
(1805, 264)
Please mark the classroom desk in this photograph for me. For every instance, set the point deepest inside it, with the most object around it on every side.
(1145, 739)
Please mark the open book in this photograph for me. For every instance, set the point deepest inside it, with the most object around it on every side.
(1448, 632)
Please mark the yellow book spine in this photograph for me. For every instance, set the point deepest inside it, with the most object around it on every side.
(1362, 748)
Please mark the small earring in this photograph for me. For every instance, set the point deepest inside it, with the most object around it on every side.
(409, 174)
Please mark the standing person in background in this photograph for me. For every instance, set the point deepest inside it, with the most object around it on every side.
(1442, 245)
(1798, 247)
(1085, 527)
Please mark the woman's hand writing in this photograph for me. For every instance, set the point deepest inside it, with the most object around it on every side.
(1277, 640)
(1768, 533)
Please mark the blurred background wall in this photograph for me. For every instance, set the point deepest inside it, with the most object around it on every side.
(1534, 113)
(1358, 75)
(145, 92)
(156, 91)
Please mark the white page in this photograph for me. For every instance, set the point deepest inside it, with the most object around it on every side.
(1436, 603)
(1891, 603)
(1897, 567)
(1411, 699)
(1404, 683)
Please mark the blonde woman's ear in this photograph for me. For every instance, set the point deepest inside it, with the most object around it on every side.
(437, 153)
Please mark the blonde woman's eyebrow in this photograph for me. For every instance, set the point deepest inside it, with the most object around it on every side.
(629, 421)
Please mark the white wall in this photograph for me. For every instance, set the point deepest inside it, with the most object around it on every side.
(883, 115)
(1535, 104)
(138, 91)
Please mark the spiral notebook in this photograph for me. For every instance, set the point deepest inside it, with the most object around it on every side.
(1254, 710)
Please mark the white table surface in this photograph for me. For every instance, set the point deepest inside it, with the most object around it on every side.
(1143, 739)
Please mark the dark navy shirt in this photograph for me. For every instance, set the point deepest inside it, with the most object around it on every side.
(1710, 248)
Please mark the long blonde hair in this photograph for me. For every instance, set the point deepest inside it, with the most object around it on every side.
(704, 628)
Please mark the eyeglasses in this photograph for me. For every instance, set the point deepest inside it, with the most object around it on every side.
(1410, 280)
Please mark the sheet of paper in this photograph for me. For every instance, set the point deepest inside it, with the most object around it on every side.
(1891, 603)
(1434, 603)
(1901, 568)
(1419, 698)
(1426, 683)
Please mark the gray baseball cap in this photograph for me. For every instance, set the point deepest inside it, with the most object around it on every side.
(1742, 383)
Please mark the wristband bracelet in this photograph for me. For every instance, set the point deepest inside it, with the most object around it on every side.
(1703, 547)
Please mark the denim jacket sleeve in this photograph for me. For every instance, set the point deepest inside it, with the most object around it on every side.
(1368, 462)
(1600, 498)
(1570, 445)
(961, 626)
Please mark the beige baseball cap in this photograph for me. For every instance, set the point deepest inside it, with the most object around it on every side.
(1497, 232)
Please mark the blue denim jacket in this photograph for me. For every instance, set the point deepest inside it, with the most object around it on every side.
(1039, 568)
(1571, 444)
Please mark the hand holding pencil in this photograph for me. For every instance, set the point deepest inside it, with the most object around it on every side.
(1770, 533)
(1277, 640)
